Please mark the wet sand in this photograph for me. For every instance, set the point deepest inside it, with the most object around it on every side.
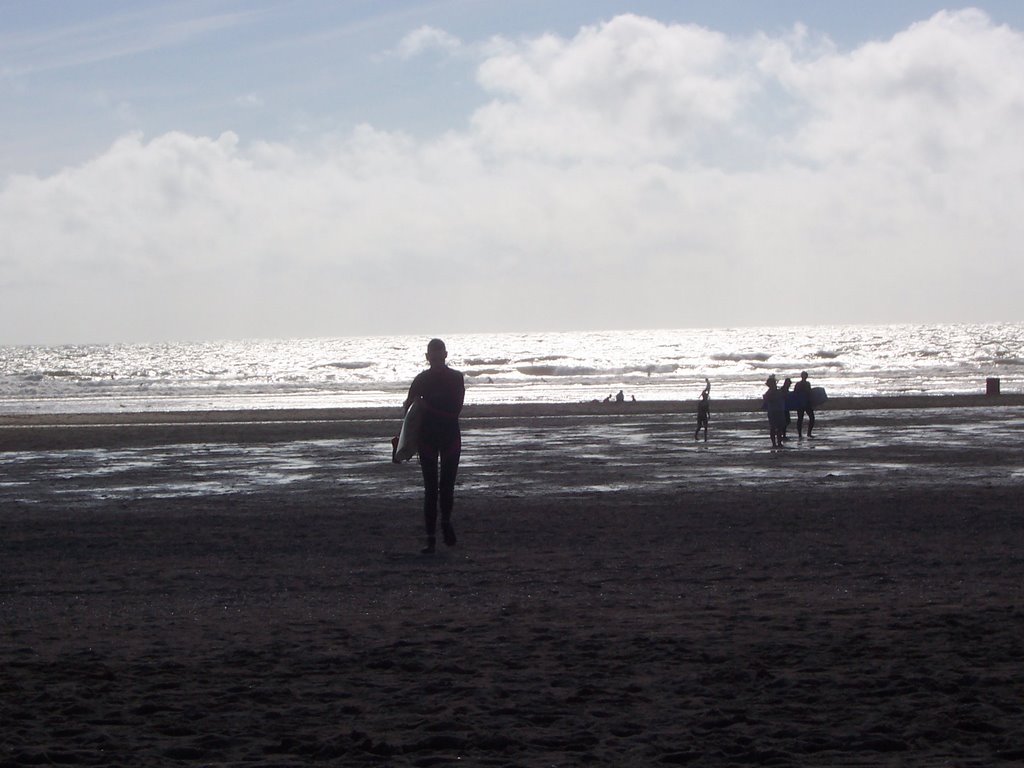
(620, 595)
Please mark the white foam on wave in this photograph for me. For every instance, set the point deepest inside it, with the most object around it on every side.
(740, 357)
(557, 370)
(348, 366)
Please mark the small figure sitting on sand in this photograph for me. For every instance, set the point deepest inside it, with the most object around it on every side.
(703, 411)
(620, 398)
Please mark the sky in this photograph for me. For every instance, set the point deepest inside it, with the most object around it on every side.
(230, 169)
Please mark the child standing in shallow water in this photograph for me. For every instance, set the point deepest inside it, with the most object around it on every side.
(703, 411)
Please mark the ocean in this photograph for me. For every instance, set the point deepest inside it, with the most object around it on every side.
(364, 371)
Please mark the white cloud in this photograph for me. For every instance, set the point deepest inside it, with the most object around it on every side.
(425, 39)
(927, 97)
(632, 85)
(638, 174)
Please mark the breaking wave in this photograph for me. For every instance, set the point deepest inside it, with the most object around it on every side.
(355, 365)
(558, 370)
(741, 357)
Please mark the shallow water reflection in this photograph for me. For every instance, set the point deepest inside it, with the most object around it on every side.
(563, 457)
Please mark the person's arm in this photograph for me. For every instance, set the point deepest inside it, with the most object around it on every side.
(414, 393)
(461, 397)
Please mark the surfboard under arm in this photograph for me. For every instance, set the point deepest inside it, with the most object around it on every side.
(818, 396)
(408, 438)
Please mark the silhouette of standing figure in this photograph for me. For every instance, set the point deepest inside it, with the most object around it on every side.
(785, 404)
(442, 391)
(775, 403)
(802, 389)
(703, 411)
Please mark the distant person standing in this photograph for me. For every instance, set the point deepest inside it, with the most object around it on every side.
(802, 390)
(775, 404)
(442, 392)
(703, 411)
(786, 385)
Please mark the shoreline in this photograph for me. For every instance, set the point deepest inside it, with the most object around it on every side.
(496, 410)
(34, 432)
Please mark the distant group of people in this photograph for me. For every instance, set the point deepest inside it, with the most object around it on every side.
(778, 402)
(441, 392)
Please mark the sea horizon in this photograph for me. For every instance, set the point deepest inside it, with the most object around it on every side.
(511, 367)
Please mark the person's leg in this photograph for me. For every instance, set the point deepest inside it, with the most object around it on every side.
(449, 469)
(810, 421)
(428, 463)
(778, 422)
(800, 422)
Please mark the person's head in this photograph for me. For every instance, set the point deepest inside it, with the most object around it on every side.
(771, 381)
(436, 352)
(803, 375)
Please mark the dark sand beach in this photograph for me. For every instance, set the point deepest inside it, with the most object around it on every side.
(246, 589)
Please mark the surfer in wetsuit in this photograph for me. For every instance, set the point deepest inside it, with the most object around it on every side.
(802, 390)
(441, 391)
(703, 411)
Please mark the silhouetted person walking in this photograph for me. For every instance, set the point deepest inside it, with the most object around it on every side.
(802, 390)
(442, 391)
